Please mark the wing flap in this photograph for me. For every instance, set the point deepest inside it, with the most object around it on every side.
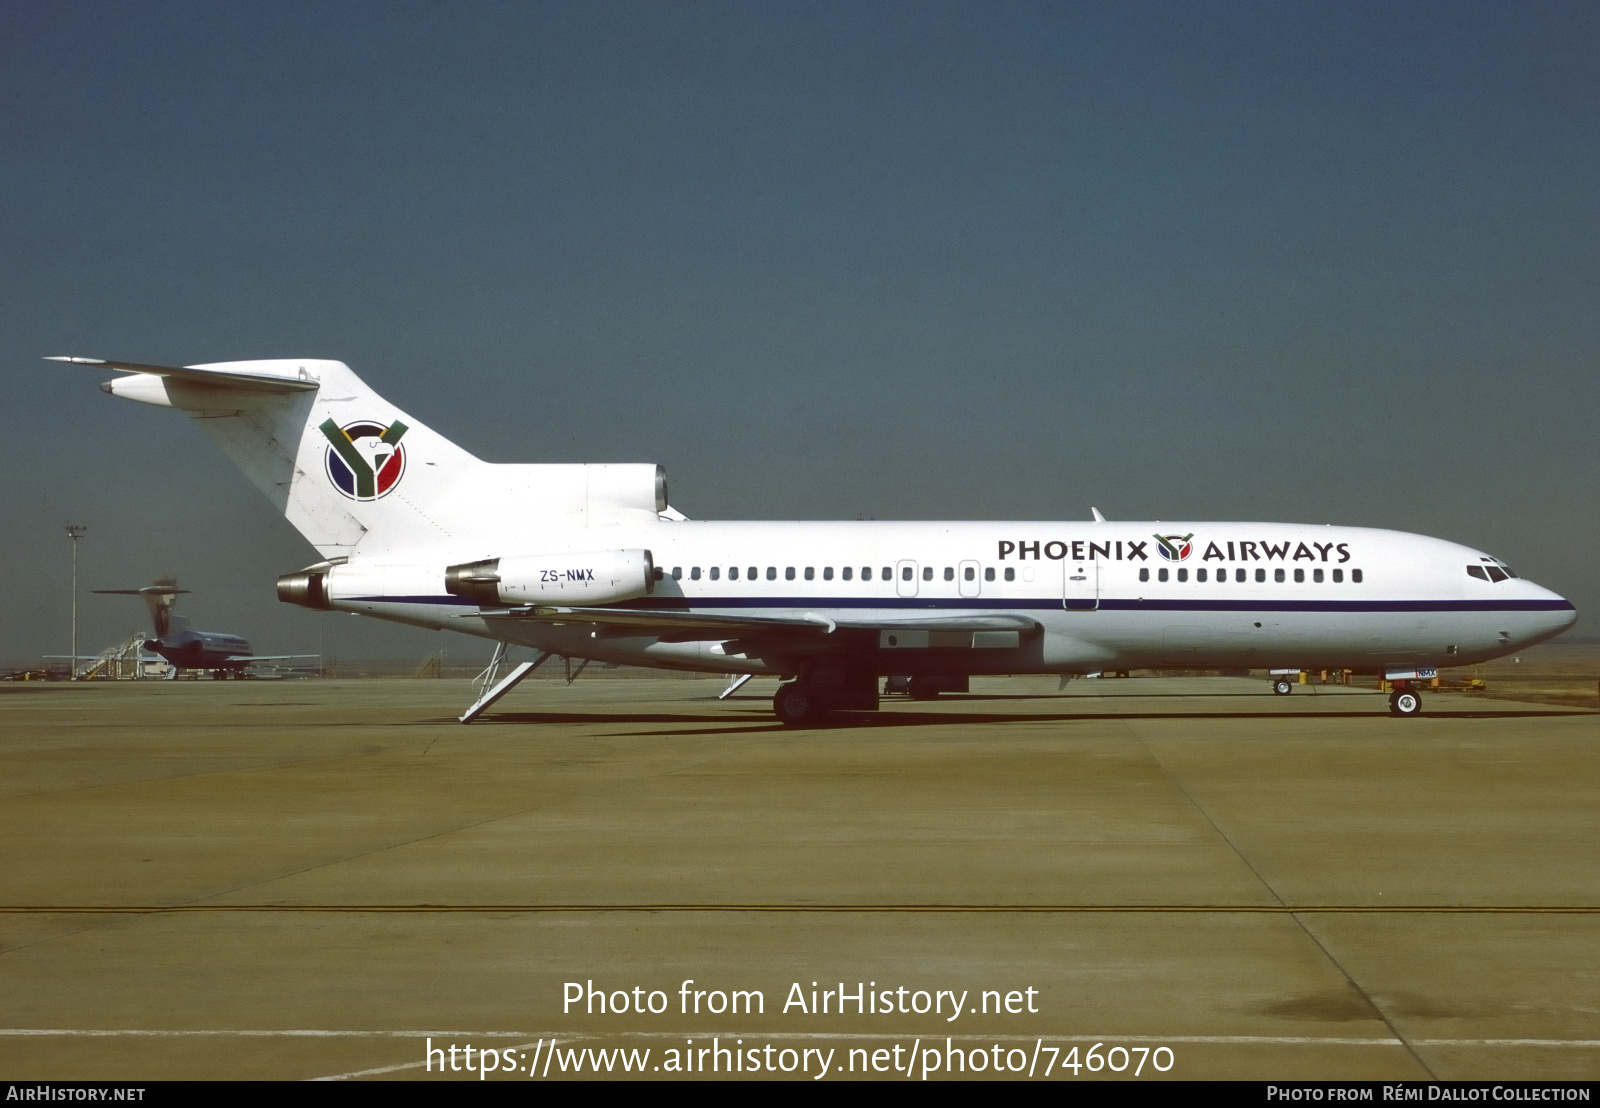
(649, 620)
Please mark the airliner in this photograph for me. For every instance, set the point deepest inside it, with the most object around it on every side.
(591, 562)
(223, 654)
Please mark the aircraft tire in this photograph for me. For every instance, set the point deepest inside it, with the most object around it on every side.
(797, 705)
(1405, 702)
(1282, 687)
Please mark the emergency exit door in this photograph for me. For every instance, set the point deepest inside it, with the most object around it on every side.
(905, 578)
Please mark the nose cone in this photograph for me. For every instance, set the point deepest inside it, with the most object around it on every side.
(1553, 613)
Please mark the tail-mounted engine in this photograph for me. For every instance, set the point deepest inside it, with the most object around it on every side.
(601, 577)
(308, 588)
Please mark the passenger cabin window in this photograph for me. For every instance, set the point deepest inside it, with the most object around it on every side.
(694, 574)
(866, 573)
(1183, 574)
(905, 574)
(888, 574)
(1200, 575)
(1316, 576)
(716, 571)
(1299, 576)
(988, 573)
(949, 574)
(733, 573)
(751, 575)
(772, 573)
(846, 572)
(1011, 573)
(788, 573)
(927, 573)
(1355, 576)
(677, 573)
(1261, 575)
(1238, 575)
(971, 574)
(1161, 574)
(827, 573)
(1144, 574)
(1277, 575)
(810, 572)
(1338, 577)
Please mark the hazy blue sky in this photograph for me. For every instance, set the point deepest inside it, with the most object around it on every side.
(1289, 261)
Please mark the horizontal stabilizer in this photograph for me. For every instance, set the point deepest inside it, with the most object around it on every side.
(148, 590)
(199, 375)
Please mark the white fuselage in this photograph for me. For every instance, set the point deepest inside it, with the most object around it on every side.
(590, 561)
(1109, 595)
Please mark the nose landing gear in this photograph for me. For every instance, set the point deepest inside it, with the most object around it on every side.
(1405, 702)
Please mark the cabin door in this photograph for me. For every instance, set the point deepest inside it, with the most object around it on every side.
(1080, 586)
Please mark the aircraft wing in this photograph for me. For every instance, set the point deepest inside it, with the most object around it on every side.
(715, 625)
(214, 378)
(247, 658)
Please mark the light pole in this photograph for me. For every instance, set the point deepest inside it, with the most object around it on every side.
(74, 532)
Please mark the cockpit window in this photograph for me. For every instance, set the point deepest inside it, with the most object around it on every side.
(1496, 574)
(1479, 572)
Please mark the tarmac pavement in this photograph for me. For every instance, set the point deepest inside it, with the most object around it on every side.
(294, 879)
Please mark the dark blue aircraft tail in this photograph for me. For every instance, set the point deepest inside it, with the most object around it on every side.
(159, 597)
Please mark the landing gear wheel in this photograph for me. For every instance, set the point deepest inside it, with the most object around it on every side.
(1405, 702)
(796, 705)
(1282, 687)
(924, 688)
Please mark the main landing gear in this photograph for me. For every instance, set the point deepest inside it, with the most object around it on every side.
(796, 705)
(1282, 686)
(807, 700)
(1405, 702)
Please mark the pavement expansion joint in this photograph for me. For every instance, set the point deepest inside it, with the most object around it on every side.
(1268, 909)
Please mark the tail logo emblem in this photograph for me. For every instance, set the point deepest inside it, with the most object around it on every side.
(1175, 548)
(365, 461)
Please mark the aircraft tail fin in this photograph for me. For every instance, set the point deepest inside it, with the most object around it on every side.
(330, 453)
(350, 470)
(159, 598)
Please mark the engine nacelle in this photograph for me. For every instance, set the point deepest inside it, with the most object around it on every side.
(596, 577)
(308, 588)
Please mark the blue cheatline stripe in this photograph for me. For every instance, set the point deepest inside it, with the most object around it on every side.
(991, 604)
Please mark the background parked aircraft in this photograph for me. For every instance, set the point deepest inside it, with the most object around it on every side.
(223, 654)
